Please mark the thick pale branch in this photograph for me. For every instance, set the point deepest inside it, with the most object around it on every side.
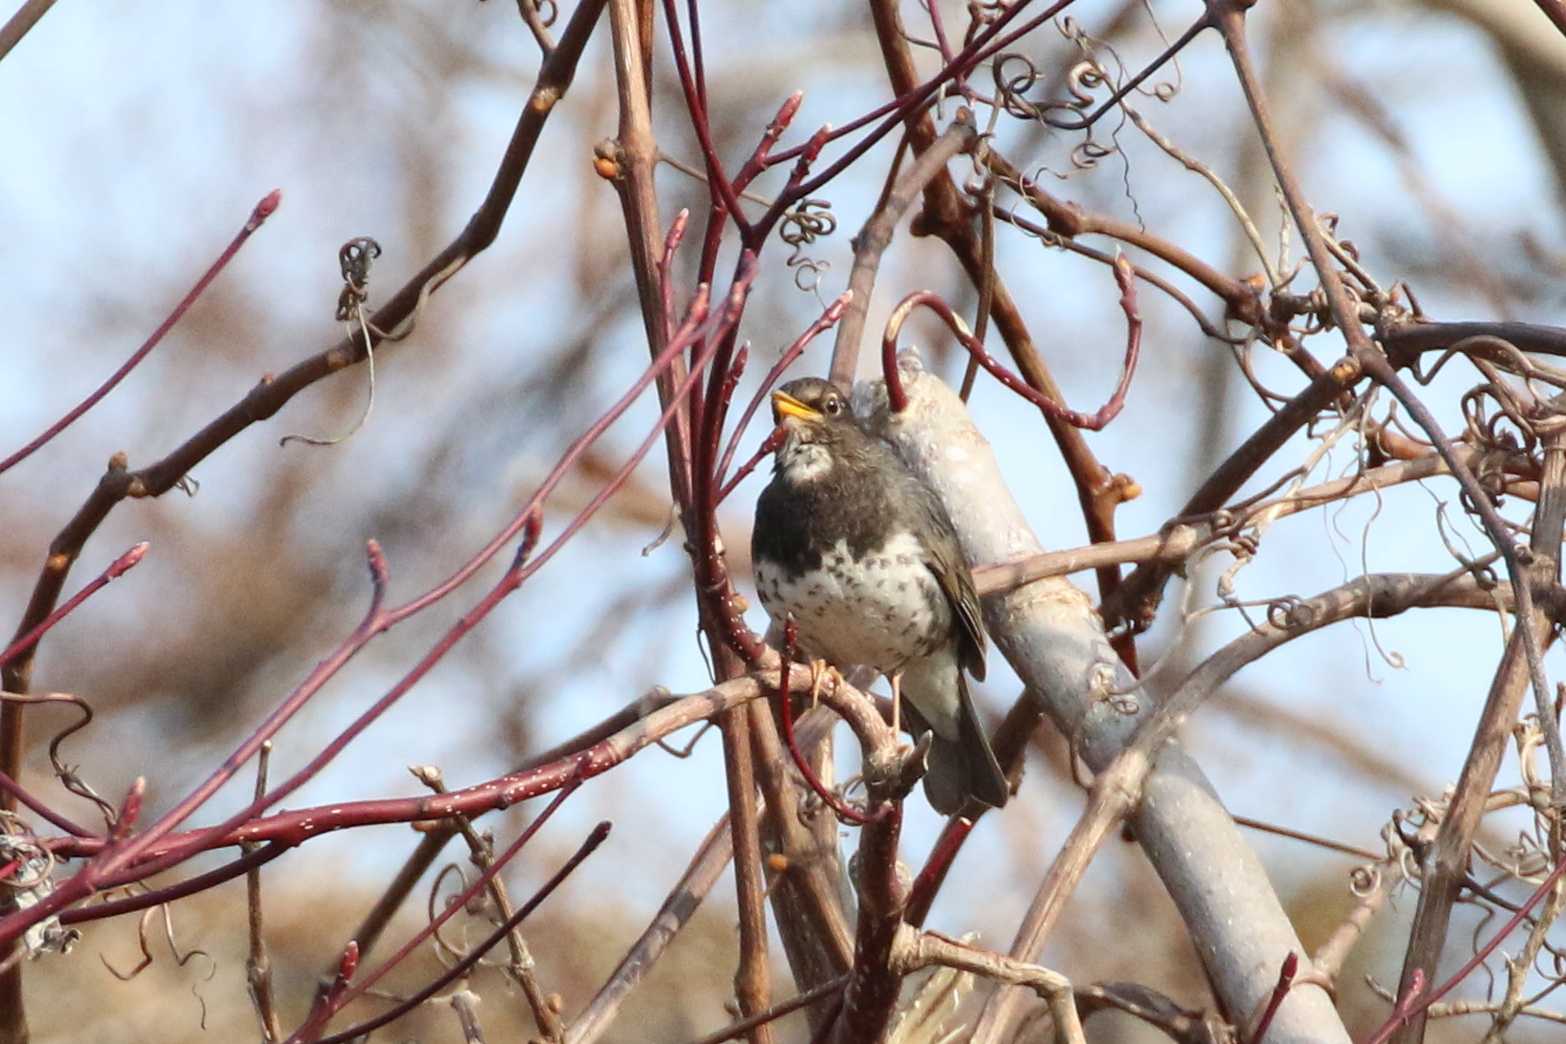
(946, 216)
(1049, 633)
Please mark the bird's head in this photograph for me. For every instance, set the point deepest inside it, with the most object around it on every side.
(817, 420)
(811, 401)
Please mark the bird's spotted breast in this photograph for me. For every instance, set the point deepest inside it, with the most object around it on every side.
(882, 608)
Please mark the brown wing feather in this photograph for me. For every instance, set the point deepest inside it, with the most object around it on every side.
(956, 580)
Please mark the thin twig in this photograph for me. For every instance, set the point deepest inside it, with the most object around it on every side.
(18, 25)
(258, 964)
(753, 978)
(1116, 790)
(457, 904)
(777, 1011)
(914, 950)
(482, 852)
(874, 238)
(116, 569)
(265, 400)
(258, 216)
(1096, 421)
(682, 902)
(1419, 1001)
(599, 834)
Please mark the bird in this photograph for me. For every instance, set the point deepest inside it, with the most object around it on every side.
(862, 554)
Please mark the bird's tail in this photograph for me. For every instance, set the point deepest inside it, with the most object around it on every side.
(965, 767)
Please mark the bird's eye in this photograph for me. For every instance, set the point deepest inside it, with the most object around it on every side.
(834, 405)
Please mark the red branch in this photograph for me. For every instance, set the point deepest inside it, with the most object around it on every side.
(751, 236)
(457, 903)
(116, 569)
(26, 797)
(871, 994)
(296, 826)
(1555, 11)
(922, 893)
(262, 211)
(895, 112)
(347, 964)
(671, 243)
(769, 446)
(836, 804)
(597, 837)
(169, 893)
(132, 860)
(1091, 421)
(1291, 967)
(719, 181)
(1417, 1000)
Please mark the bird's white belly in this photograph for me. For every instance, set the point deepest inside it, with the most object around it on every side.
(881, 610)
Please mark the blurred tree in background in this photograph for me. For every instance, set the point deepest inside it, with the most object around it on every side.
(1331, 230)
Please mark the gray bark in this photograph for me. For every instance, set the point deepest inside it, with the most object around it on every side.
(1054, 640)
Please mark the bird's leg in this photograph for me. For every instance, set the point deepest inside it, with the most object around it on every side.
(819, 671)
(896, 678)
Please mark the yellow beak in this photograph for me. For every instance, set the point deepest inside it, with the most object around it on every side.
(785, 405)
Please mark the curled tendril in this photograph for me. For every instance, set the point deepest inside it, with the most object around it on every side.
(181, 959)
(36, 862)
(1490, 428)
(1501, 438)
(1164, 91)
(689, 748)
(1243, 358)
(1087, 154)
(807, 273)
(1490, 472)
(1015, 75)
(67, 774)
(354, 259)
(1038, 172)
(1289, 613)
(1055, 113)
(1364, 880)
(1085, 77)
(809, 220)
(448, 953)
(547, 11)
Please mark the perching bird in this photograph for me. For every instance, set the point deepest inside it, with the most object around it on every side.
(863, 555)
